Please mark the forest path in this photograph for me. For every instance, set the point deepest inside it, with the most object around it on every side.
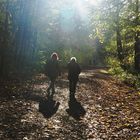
(112, 110)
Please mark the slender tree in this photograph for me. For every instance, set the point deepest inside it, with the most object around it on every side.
(4, 40)
(137, 37)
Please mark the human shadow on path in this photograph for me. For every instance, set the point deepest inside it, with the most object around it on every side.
(48, 107)
(75, 109)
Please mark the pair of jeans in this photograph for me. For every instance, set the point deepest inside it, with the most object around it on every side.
(72, 88)
(51, 86)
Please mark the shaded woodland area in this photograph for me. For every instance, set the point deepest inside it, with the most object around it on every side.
(105, 38)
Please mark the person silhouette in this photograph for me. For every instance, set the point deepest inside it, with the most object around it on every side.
(52, 70)
(73, 76)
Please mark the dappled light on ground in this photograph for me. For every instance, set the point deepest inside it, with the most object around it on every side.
(103, 109)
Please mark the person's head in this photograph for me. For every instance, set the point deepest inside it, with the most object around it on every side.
(54, 56)
(73, 59)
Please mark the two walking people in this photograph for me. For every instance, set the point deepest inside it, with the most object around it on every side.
(52, 70)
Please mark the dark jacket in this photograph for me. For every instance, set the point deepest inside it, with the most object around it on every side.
(73, 71)
(52, 69)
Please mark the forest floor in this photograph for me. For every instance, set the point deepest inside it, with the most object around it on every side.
(105, 109)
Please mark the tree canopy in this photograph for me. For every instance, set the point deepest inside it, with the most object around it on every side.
(98, 33)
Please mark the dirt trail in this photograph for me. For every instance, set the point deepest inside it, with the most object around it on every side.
(112, 110)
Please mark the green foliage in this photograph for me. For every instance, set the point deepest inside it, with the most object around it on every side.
(30, 32)
(121, 74)
(116, 23)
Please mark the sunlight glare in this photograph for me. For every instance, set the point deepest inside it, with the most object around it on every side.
(93, 2)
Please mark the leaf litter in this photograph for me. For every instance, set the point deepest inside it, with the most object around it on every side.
(112, 110)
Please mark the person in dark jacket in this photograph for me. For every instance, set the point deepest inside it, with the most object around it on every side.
(52, 71)
(73, 76)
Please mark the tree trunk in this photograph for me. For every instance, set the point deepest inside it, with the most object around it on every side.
(119, 45)
(118, 35)
(137, 39)
(4, 43)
